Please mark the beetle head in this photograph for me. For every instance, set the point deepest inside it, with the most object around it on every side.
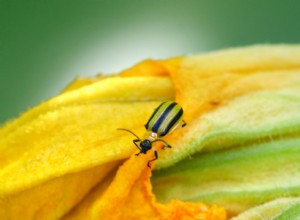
(145, 146)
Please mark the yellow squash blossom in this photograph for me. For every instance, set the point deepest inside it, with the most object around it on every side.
(238, 156)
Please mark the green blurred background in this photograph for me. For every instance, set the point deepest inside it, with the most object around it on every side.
(45, 44)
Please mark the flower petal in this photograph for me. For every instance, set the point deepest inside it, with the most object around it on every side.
(209, 87)
(69, 139)
(129, 196)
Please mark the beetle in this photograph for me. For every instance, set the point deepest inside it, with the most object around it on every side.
(165, 119)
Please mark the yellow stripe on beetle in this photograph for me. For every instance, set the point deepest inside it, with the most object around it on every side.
(166, 117)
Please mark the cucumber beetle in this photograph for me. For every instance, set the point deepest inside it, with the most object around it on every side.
(165, 119)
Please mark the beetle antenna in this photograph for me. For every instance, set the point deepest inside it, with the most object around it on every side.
(123, 129)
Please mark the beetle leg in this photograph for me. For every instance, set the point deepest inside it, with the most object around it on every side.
(183, 124)
(164, 142)
(156, 156)
(136, 140)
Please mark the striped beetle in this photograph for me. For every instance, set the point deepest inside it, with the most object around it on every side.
(165, 119)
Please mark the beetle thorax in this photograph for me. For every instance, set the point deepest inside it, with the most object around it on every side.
(151, 136)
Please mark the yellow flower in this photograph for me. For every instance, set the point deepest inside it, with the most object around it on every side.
(64, 159)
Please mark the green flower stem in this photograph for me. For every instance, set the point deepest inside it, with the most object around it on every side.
(292, 212)
(279, 209)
